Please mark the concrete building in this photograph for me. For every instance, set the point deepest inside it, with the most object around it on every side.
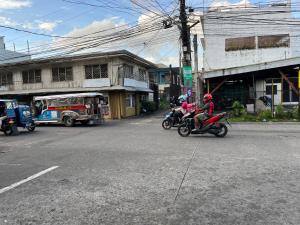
(7, 56)
(251, 53)
(120, 75)
(168, 80)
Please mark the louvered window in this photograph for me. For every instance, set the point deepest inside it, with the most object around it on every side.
(96, 71)
(6, 79)
(31, 76)
(62, 74)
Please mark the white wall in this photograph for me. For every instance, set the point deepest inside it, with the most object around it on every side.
(219, 26)
(79, 80)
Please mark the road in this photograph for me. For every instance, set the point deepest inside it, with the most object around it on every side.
(129, 172)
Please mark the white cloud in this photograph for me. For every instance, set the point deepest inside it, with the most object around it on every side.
(7, 21)
(159, 47)
(14, 4)
(48, 26)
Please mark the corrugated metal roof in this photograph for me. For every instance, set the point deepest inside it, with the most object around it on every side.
(252, 68)
(80, 57)
(70, 90)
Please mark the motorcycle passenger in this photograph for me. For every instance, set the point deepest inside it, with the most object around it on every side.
(179, 112)
(208, 110)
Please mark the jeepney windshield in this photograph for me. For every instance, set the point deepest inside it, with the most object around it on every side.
(65, 102)
(10, 105)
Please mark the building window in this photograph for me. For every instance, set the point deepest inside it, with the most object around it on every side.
(269, 89)
(274, 41)
(130, 100)
(62, 74)
(128, 71)
(6, 79)
(142, 75)
(96, 71)
(242, 43)
(31, 76)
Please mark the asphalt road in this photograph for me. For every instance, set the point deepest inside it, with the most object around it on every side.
(129, 172)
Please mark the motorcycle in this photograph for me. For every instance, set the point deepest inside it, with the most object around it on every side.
(172, 119)
(212, 126)
(7, 125)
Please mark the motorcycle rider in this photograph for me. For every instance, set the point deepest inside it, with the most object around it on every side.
(2, 112)
(208, 110)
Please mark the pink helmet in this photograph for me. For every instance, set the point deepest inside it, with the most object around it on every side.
(184, 105)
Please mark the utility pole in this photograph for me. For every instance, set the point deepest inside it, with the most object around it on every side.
(195, 42)
(199, 82)
(299, 94)
(186, 48)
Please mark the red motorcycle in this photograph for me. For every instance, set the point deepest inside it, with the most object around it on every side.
(212, 125)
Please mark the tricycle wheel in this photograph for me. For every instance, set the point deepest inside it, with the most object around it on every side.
(31, 127)
(184, 130)
(69, 121)
(9, 131)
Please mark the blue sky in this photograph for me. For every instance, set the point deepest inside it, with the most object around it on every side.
(59, 17)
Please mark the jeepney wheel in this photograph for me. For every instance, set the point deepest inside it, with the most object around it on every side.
(69, 121)
(31, 128)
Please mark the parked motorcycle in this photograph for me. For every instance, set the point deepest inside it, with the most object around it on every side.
(212, 126)
(7, 125)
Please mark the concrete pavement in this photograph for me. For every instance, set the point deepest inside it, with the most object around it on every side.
(128, 172)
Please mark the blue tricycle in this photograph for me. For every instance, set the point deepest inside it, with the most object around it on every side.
(13, 116)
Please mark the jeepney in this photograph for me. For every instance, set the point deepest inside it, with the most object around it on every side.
(69, 108)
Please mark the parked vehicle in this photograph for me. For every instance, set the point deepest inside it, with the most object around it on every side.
(69, 108)
(6, 125)
(212, 125)
(14, 116)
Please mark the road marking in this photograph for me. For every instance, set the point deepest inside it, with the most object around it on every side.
(27, 179)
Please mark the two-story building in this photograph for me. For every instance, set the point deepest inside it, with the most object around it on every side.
(120, 76)
(168, 80)
(251, 53)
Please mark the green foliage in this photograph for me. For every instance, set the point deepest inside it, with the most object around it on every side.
(265, 115)
(295, 113)
(280, 113)
(149, 106)
(238, 109)
(164, 104)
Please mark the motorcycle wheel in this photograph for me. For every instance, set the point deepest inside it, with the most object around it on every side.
(184, 130)
(222, 130)
(31, 128)
(166, 124)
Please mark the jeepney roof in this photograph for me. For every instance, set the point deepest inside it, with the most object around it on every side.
(75, 95)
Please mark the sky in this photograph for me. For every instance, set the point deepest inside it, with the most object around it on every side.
(69, 18)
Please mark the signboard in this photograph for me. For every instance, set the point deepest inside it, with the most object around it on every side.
(187, 73)
(189, 92)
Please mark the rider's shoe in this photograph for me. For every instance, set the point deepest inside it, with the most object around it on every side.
(195, 130)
